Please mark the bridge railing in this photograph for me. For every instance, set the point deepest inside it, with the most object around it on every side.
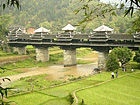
(76, 38)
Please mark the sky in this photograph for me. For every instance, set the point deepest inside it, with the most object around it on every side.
(115, 2)
(111, 1)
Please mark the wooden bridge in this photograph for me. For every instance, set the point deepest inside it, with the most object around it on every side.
(69, 41)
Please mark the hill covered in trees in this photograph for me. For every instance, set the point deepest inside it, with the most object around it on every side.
(55, 14)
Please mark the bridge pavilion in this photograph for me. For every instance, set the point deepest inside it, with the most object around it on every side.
(69, 52)
(101, 34)
(103, 29)
(42, 53)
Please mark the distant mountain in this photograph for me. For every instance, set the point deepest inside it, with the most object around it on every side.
(55, 14)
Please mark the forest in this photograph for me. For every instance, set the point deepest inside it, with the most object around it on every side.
(55, 14)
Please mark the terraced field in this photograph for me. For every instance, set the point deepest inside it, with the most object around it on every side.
(121, 91)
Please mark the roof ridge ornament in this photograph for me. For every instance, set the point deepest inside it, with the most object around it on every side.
(103, 28)
(69, 27)
(42, 29)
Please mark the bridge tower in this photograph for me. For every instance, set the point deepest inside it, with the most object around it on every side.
(69, 52)
(101, 35)
(15, 34)
(42, 52)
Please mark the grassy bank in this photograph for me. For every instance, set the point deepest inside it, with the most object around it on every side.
(122, 91)
(38, 82)
(58, 95)
(29, 63)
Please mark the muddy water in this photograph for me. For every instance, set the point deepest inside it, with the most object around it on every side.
(58, 72)
(61, 73)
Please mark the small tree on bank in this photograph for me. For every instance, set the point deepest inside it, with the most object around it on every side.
(112, 62)
(137, 57)
(123, 54)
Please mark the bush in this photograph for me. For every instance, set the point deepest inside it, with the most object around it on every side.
(70, 98)
(123, 54)
(82, 102)
(112, 62)
(15, 52)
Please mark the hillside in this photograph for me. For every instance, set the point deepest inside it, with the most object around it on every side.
(55, 14)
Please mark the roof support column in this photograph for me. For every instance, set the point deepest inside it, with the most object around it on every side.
(69, 54)
(42, 54)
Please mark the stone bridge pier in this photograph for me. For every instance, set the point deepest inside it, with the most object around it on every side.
(42, 53)
(69, 55)
(102, 57)
(20, 49)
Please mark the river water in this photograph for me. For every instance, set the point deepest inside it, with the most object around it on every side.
(59, 72)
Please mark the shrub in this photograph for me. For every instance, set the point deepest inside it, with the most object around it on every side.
(112, 62)
(70, 98)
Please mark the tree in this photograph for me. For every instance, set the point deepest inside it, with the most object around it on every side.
(136, 22)
(112, 62)
(124, 54)
(5, 20)
(10, 3)
(137, 56)
(102, 10)
(3, 90)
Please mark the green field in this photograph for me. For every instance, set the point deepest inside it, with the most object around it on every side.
(121, 91)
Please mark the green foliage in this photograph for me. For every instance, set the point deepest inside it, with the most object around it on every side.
(108, 8)
(83, 52)
(30, 49)
(91, 12)
(70, 98)
(82, 102)
(112, 62)
(5, 54)
(134, 64)
(137, 57)
(56, 57)
(5, 20)
(124, 54)
(38, 82)
(3, 91)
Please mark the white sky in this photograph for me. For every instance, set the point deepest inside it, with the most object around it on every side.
(111, 1)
